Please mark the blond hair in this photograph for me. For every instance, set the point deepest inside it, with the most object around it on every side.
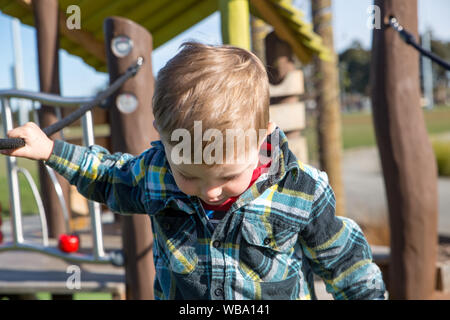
(223, 86)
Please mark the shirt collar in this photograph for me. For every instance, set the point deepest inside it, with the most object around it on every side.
(283, 163)
(157, 144)
(283, 160)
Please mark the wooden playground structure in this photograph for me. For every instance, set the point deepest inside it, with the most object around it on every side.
(116, 33)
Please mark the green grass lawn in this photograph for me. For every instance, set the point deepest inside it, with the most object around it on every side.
(28, 203)
(78, 296)
(358, 130)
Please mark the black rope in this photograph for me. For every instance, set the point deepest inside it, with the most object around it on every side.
(409, 39)
(14, 143)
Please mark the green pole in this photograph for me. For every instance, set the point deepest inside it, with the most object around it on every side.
(235, 18)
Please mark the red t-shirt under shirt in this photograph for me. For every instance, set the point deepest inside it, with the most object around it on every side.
(223, 207)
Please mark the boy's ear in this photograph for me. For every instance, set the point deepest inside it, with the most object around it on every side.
(271, 127)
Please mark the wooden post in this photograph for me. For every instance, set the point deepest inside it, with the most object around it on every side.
(259, 31)
(279, 59)
(286, 84)
(235, 17)
(328, 104)
(409, 165)
(46, 16)
(132, 133)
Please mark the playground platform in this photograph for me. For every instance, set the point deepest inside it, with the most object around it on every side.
(24, 273)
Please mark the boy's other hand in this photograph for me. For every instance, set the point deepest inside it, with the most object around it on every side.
(37, 145)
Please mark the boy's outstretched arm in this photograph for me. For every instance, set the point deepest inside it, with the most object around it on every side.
(338, 251)
(114, 179)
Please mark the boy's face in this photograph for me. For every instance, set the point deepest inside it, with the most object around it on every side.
(214, 184)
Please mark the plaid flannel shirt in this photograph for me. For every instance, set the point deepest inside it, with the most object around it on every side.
(273, 238)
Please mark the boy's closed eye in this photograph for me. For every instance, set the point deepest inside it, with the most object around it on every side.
(186, 177)
(224, 178)
(227, 178)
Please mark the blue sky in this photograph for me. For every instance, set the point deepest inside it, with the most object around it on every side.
(78, 79)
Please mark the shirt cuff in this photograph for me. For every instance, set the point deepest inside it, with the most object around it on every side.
(57, 153)
(62, 159)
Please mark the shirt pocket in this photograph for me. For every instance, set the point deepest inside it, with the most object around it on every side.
(176, 237)
(268, 250)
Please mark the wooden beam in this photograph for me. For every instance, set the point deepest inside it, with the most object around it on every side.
(259, 31)
(291, 85)
(79, 37)
(235, 19)
(82, 38)
(182, 22)
(170, 11)
(94, 21)
(285, 110)
(145, 10)
(268, 13)
(299, 147)
(288, 116)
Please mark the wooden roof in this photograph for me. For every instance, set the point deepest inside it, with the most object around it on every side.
(165, 19)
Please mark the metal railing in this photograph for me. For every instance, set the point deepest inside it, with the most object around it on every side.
(12, 174)
(84, 105)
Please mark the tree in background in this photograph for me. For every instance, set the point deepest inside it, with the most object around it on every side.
(328, 104)
(440, 75)
(355, 66)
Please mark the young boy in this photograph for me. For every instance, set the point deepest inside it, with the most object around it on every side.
(256, 225)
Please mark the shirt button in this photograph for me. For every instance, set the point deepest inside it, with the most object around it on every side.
(216, 243)
(166, 226)
(267, 241)
(218, 292)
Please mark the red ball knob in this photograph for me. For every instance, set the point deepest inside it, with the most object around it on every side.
(69, 243)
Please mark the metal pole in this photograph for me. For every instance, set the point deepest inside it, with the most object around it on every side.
(18, 69)
(94, 207)
(39, 204)
(13, 179)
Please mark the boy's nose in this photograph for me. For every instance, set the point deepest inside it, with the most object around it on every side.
(212, 193)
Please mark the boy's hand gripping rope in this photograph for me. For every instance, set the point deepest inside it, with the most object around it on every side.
(14, 143)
